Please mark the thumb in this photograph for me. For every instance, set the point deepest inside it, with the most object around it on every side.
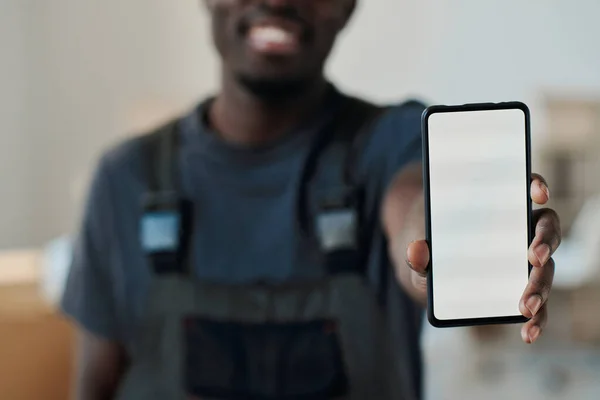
(417, 256)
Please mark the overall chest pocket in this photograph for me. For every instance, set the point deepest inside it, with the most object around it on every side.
(228, 360)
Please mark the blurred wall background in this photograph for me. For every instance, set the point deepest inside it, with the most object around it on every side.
(77, 75)
(18, 209)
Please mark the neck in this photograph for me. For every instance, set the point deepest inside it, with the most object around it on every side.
(243, 118)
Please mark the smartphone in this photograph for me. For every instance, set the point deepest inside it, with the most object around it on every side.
(477, 177)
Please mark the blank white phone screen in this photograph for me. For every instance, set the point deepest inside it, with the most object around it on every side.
(479, 192)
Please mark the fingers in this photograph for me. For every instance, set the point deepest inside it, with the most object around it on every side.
(540, 194)
(533, 329)
(547, 225)
(533, 304)
(417, 256)
(537, 291)
(547, 237)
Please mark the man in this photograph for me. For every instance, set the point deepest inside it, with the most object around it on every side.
(219, 258)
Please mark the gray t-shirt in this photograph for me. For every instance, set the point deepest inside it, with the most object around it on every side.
(245, 219)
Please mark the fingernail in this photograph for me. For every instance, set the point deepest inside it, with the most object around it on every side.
(534, 303)
(544, 189)
(525, 335)
(534, 333)
(542, 252)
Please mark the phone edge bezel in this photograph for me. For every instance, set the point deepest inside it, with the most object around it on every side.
(512, 319)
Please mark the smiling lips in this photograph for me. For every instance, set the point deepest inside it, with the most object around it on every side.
(274, 39)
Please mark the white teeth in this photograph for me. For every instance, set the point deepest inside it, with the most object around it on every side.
(271, 34)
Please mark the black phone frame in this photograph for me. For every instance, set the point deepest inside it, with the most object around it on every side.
(511, 319)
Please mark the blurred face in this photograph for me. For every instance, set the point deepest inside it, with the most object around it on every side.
(270, 44)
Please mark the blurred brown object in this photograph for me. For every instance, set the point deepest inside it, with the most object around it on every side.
(585, 303)
(35, 341)
(487, 333)
(569, 153)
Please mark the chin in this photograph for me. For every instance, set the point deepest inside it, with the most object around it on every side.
(274, 88)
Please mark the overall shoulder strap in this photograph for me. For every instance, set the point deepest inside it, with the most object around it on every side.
(355, 121)
(159, 157)
(330, 202)
(334, 149)
(166, 225)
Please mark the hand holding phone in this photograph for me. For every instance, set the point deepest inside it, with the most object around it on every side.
(479, 221)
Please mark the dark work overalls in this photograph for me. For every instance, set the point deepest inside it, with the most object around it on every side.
(326, 339)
